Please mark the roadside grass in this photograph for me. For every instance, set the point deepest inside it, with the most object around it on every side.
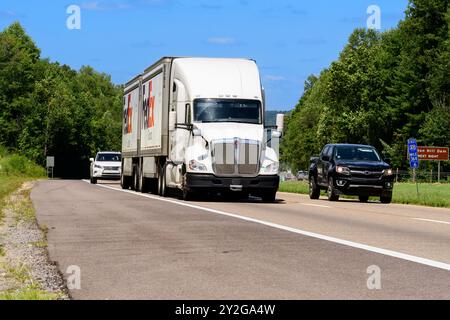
(14, 171)
(27, 290)
(432, 195)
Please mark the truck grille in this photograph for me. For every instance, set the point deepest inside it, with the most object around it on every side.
(361, 173)
(235, 157)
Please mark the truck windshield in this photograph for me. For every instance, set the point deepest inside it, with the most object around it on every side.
(229, 110)
(108, 157)
(356, 153)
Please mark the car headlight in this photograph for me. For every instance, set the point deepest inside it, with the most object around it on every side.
(343, 170)
(271, 167)
(388, 172)
(196, 166)
(98, 166)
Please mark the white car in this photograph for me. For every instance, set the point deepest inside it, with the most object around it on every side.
(106, 165)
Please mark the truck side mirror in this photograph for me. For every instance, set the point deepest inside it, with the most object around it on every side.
(187, 115)
(276, 134)
(280, 122)
(172, 120)
(91, 159)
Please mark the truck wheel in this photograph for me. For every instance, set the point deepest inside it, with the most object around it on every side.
(143, 184)
(188, 195)
(314, 190)
(269, 196)
(134, 185)
(331, 191)
(93, 180)
(386, 199)
(162, 190)
(363, 198)
(124, 182)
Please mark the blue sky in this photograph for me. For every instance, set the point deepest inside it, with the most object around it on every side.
(289, 39)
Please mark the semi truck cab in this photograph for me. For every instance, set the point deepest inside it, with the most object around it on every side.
(212, 113)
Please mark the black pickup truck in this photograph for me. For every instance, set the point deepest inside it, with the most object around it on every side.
(351, 169)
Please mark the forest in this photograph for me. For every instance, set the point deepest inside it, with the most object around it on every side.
(385, 87)
(49, 109)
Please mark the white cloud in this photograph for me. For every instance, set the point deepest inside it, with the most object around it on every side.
(103, 6)
(222, 40)
(271, 77)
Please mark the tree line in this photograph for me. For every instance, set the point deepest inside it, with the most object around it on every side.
(50, 109)
(385, 87)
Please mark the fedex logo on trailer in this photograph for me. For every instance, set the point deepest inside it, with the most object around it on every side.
(149, 107)
(128, 116)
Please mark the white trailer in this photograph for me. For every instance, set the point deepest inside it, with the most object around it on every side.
(197, 125)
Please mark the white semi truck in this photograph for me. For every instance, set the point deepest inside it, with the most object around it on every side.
(197, 125)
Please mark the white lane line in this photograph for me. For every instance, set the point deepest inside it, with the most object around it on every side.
(399, 255)
(429, 220)
(313, 205)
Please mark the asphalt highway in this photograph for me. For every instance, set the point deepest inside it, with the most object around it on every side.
(129, 245)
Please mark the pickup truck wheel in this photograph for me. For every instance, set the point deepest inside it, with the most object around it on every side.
(314, 190)
(93, 180)
(331, 192)
(386, 199)
(269, 196)
(188, 195)
(363, 198)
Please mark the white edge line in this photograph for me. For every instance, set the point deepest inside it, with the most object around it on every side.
(429, 220)
(314, 205)
(399, 255)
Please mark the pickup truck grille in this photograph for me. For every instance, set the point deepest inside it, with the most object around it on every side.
(236, 157)
(361, 173)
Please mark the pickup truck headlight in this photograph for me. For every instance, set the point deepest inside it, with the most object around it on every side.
(388, 172)
(343, 170)
(194, 165)
(98, 166)
(271, 168)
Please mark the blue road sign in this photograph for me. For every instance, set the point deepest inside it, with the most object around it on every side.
(413, 154)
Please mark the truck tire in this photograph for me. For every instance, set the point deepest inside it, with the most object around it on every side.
(162, 190)
(143, 183)
(386, 199)
(363, 198)
(331, 191)
(314, 190)
(188, 195)
(93, 180)
(124, 182)
(135, 181)
(269, 196)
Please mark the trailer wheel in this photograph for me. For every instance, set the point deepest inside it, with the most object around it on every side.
(143, 184)
(162, 190)
(124, 182)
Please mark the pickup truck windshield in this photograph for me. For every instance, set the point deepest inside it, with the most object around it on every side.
(227, 110)
(108, 157)
(355, 153)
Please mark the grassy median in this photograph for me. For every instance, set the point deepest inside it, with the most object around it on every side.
(432, 195)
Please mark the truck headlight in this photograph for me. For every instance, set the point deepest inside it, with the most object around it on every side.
(194, 165)
(98, 166)
(271, 168)
(388, 172)
(343, 170)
